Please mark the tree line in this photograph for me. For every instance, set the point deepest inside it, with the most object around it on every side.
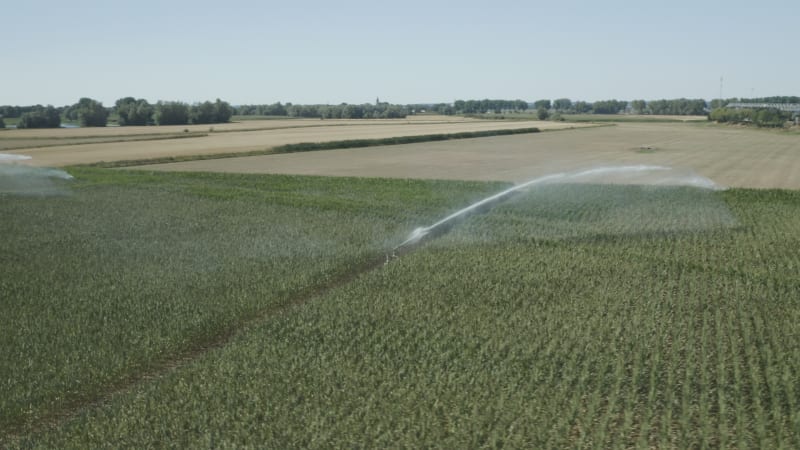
(130, 111)
(544, 107)
(378, 110)
(488, 105)
(762, 117)
(680, 106)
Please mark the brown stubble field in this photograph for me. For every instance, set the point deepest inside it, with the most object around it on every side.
(732, 157)
(63, 147)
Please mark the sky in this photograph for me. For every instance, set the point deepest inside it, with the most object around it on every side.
(310, 51)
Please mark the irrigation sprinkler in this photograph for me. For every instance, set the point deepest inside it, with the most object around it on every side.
(421, 234)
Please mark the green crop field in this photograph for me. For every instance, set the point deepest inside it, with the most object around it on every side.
(126, 272)
(200, 310)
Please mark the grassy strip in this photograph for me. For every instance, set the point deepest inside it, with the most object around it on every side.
(315, 146)
(356, 143)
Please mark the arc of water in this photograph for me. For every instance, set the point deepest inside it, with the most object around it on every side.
(421, 232)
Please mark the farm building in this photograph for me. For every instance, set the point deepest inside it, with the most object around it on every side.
(793, 108)
(789, 107)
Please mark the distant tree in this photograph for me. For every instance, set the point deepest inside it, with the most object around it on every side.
(306, 110)
(608, 106)
(582, 107)
(542, 113)
(721, 103)
(2, 123)
(639, 106)
(443, 108)
(293, 110)
(539, 104)
(134, 112)
(562, 104)
(11, 111)
(352, 112)
(331, 112)
(776, 99)
(486, 105)
(277, 109)
(393, 112)
(222, 111)
(70, 113)
(764, 117)
(692, 107)
(40, 117)
(207, 112)
(678, 106)
(771, 117)
(171, 113)
(658, 107)
(723, 115)
(203, 113)
(90, 112)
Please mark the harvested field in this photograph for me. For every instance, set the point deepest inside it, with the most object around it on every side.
(237, 138)
(243, 125)
(50, 137)
(19, 144)
(730, 156)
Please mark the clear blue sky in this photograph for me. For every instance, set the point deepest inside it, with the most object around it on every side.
(407, 51)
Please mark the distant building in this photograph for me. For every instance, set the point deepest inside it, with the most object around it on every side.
(788, 107)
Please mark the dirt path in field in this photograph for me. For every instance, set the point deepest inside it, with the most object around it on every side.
(729, 156)
(241, 140)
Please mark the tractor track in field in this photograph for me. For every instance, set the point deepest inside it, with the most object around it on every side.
(162, 367)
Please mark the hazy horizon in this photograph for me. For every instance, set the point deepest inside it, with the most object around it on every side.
(311, 52)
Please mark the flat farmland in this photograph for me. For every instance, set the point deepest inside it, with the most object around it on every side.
(62, 147)
(242, 125)
(234, 311)
(731, 157)
(208, 309)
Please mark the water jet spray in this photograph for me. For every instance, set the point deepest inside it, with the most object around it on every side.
(438, 228)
